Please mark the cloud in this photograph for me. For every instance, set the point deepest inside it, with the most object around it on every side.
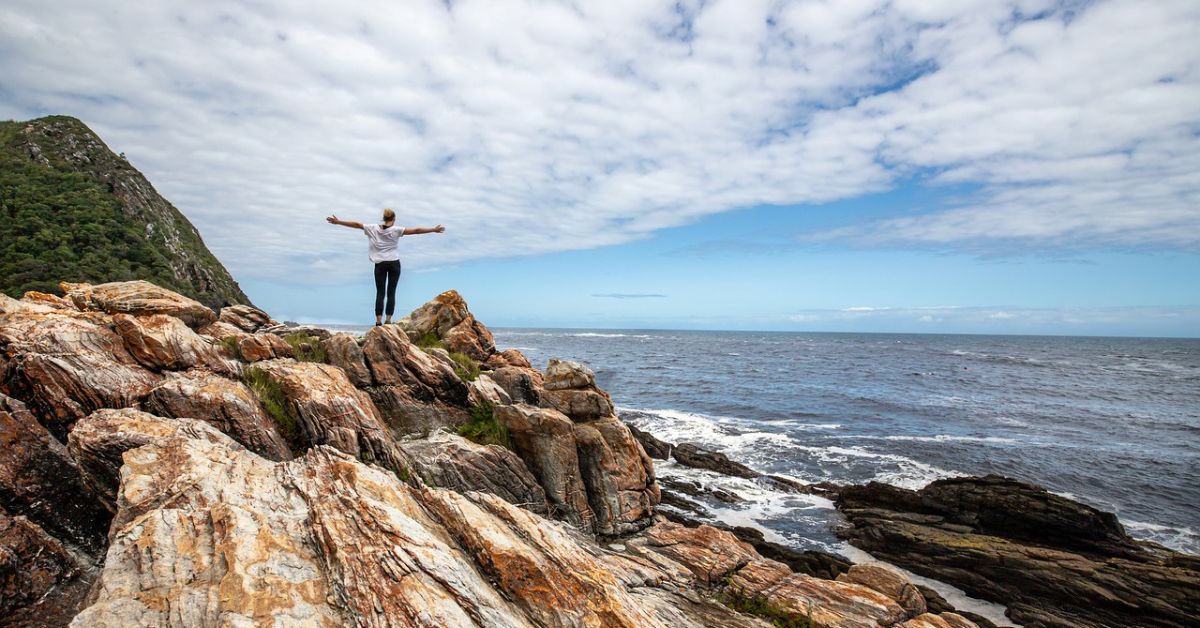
(634, 295)
(529, 128)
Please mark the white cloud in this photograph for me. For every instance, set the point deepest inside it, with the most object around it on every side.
(534, 127)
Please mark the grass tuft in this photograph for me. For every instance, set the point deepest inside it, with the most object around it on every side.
(271, 395)
(229, 344)
(429, 340)
(305, 347)
(466, 368)
(483, 428)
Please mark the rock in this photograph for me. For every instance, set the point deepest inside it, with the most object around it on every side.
(947, 531)
(545, 441)
(324, 408)
(226, 404)
(889, 582)
(138, 297)
(163, 343)
(696, 489)
(9, 305)
(246, 318)
(655, 448)
(448, 318)
(49, 300)
(508, 357)
(42, 583)
(63, 366)
(710, 554)
(209, 534)
(221, 330)
(484, 389)
(406, 416)
(342, 351)
(393, 360)
(39, 480)
(565, 374)
(580, 405)
(287, 329)
(692, 455)
(448, 461)
(523, 385)
(100, 441)
(826, 603)
(928, 620)
(259, 347)
(670, 498)
(618, 475)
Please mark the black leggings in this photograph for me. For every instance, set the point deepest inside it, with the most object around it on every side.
(386, 273)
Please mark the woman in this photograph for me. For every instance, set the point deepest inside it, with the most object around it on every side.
(381, 242)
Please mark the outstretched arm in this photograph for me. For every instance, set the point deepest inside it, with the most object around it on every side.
(420, 230)
(333, 220)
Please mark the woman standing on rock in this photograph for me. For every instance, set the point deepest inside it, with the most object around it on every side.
(381, 243)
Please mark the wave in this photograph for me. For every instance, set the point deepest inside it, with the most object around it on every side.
(940, 438)
(1183, 539)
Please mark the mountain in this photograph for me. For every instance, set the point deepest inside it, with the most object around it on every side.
(72, 209)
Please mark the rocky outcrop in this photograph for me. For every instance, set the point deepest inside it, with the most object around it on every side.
(890, 583)
(415, 392)
(447, 318)
(42, 582)
(246, 318)
(692, 455)
(448, 461)
(138, 297)
(40, 480)
(545, 441)
(163, 343)
(655, 448)
(226, 404)
(342, 350)
(1052, 561)
(259, 347)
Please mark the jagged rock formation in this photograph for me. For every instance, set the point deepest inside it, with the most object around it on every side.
(107, 223)
(1052, 561)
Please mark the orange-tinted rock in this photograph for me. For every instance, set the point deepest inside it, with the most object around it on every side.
(508, 357)
(50, 300)
(259, 347)
(226, 404)
(65, 365)
(889, 582)
(523, 385)
(564, 374)
(580, 405)
(395, 361)
(945, 620)
(618, 474)
(140, 298)
(484, 389)
(38, 479)
(710, 554)
(342, 350)
(246, 318)
(827, 603)
(545, 440)
(162, 342)
(448, 461)
(328, 410)
(448, 318)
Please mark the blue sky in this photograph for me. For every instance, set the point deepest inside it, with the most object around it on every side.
(1022, 166)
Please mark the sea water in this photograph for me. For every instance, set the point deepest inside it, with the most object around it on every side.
(1111, 422)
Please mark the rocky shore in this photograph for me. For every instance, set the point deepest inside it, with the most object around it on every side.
(167, 464)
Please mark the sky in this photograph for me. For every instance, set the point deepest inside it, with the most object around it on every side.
(906, 166)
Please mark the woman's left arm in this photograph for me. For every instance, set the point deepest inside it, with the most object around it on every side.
(420, 230)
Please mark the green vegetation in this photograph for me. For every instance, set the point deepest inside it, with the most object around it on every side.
(466, 368)
(71, 210)
(271, 395)
(429, 340)
(483, 428)
(761, 607)
(229, 344)
(305, 347)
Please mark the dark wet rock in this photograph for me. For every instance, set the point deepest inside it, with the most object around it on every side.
(1052, 561)
(523, 385)
(40, 480)
(655, 448)
(675, 500)
(42, 582)
(696, 489)
(692, 455)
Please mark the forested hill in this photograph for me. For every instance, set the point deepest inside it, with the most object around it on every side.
(72, 210)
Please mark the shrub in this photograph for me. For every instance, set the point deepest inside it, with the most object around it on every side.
(229, 344)
(305, 347)
(760, 606)
(271, 395)
(466, 368)
(429, 340)
(483, 428)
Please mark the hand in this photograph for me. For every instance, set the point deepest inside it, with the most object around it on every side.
(439, 229)
(333, 220)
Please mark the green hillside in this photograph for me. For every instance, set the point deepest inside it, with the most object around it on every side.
(72, 210)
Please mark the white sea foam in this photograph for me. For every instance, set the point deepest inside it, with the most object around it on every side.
(952, 438)
(1183, 539)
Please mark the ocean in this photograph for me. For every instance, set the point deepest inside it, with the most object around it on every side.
(1111, 422)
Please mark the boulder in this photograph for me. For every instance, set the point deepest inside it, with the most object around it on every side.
(580, 405)
(523, 385)
(39, 480)
(565, 374)
(50, 300)
(100, 441)
(221, 330)
(484, 389)
(9, 305)
(508, 357)
(406, 415)
(889, 582)
(342, 351)
(226, 404)
(138, 297)
(394, 360)
(692, 455)
(929, 620)
(825, 603)
(259, 347)
(1073, 577)
(448, 318)
(321, 407)
(655, 448)
(42, 583)
(708, 553)
(64, 366)
(545, 441)
(246, 318)
(448, 461)
(618, 476)
(163, 343)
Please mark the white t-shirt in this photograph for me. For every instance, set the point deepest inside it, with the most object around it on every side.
(382, 242)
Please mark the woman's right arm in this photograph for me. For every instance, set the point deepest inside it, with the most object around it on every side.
(334, 220)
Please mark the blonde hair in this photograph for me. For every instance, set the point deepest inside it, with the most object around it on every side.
(388, 215)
